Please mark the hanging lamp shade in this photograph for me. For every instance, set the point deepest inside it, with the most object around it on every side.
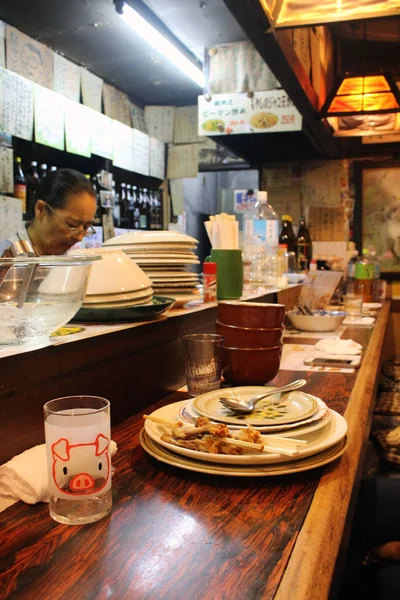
(362, 95)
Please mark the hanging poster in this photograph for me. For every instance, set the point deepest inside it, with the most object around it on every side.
(263, 112)
(123, 146)
(10, 217)
(16, 105)
(6, 170)
(78, 128)
(140, 152)
(67, 78)
(185, 125)
(327, 223)
(137, 118)
(183, 161)
(160, 122)
(102, 134)
(91, 89)
(29, 58)
(116, 104)
(321, 185)
(2, 45)
(157, 158)
(238, 67)
(49, 118)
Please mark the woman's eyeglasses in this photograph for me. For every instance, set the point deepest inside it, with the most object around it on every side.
(87, 229)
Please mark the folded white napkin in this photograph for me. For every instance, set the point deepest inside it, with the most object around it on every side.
(359, 321)
(24, 477)
(338, 346)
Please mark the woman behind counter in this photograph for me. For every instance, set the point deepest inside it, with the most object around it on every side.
(64, 213)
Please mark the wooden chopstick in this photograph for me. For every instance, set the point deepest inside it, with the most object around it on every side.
(264, 447)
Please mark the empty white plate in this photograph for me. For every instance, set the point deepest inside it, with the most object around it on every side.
(148, 237)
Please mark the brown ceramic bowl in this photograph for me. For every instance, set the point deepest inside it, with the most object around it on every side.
(251, 314)
(246, 337)
(251, 366)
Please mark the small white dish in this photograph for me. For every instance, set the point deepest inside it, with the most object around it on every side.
(125, 297)
(149, 237)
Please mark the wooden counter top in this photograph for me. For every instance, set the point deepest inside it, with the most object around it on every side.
(175, 534)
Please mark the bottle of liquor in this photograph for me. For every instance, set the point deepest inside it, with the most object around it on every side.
(136, 208)
(303, 246)
(97, 221)
(144, 210)
(287, 234)
(124, 210)
(43, 171)
(116, 207)
(20, 183)
(53, 169)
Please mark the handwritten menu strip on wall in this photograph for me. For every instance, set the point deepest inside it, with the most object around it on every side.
(137, 118)
(327, 223)
(238, 67)
(91, 89)
(116, 104)
(2, 45)
(16, 105)
(6, 170)
(67, 78)
(78, 128)
(321, 185)
(302, 47)
(10, 216)
(140, 152)
(102, 131)
(29, 58)
(49, 118)
(160, 122)
(157, 158)
(123, 142)
(183, 161)
(185, 125)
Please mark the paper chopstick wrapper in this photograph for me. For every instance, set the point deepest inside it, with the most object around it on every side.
(223, 231)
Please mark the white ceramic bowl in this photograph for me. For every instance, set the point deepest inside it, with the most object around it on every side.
(322, 320)
(150, 237)
(116, 273)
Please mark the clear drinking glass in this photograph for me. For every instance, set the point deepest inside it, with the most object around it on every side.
(353, 305)
(77, 430)
(203, 362)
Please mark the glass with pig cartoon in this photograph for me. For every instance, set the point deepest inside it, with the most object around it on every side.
(77, 430)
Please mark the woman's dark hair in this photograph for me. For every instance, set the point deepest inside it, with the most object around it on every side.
(56, 187)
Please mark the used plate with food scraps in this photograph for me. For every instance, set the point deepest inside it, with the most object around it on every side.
(289, 408)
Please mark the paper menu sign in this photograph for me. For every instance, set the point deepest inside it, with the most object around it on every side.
(10, 217)
(6, 170)
(327, 223)
(91, 89)
(29, 58)
(49, 118)
(160, 122)
(185, 125)
(157, 158)
(67, 78)
(264, 112)
(318, 289)
(122, 145)
(140, 152)
(137, 118)
(177, 196)
(238, 67)
(116, 104)
(16, 105)
(2, 45)
(102, 132)
(321, 185)
(78, 130)
(183, 161)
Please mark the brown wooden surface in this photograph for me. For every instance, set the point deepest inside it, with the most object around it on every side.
(176, 534)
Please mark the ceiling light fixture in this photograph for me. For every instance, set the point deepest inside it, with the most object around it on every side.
(161, 44)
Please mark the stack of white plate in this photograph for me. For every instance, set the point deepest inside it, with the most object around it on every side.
(115, 281)
(167, 257)
(298, 420)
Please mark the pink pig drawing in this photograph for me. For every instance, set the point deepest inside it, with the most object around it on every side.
(81, 468)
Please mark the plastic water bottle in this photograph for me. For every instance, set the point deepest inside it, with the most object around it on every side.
(262, 222)
(364, 277)
(377, 275)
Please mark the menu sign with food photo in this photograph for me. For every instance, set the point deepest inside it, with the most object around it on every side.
(256, 112)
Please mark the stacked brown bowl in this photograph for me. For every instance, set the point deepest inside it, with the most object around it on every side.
(253, 334)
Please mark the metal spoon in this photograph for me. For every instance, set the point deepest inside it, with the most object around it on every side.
(247, 406)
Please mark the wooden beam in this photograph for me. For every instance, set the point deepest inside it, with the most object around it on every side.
(277, 52)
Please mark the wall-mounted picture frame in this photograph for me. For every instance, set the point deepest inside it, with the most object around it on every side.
(377, 212)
